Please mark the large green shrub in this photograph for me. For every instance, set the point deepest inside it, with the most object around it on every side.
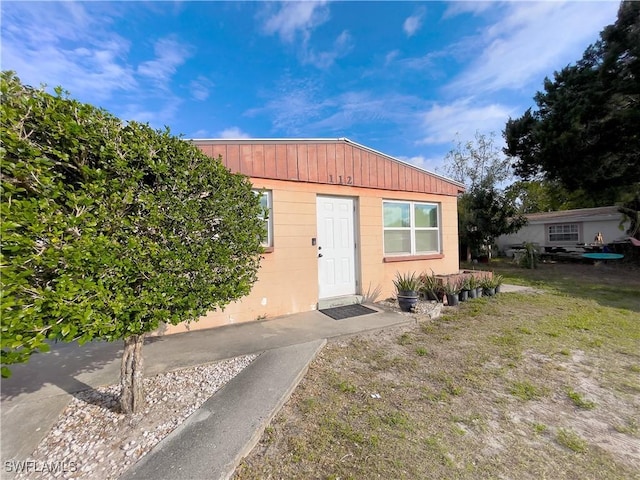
(110, 228)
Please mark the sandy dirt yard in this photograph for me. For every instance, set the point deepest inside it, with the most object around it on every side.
(533, 385)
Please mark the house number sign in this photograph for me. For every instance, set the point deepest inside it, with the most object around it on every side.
(342, 180)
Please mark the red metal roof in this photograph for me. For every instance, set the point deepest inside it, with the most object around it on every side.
(329, 161)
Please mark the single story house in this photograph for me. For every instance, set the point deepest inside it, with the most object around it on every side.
(343, 220)
(566, 229)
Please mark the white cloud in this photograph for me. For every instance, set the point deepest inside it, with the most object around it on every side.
(530, 41)
(294, 23)
(356, 108)
(391, 56)
(426, 163)
(413, 23)
(201, 133)
(293, 18)
(233, 132)
(158, 117)
(441, 123)
(200, 87)
(341, 47)
(459, 8)
(293, 105)
(299, 107)
(62, 44)
(170, 54)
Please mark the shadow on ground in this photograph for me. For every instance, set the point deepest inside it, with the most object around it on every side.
(61, 367)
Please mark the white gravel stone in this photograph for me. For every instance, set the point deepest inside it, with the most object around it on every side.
(92, 440)
(429, 309)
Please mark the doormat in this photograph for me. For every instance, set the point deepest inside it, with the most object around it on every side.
(348, 311)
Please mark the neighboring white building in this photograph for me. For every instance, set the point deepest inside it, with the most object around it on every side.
(567, 228)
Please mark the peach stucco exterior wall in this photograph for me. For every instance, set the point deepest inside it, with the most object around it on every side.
(288, 277)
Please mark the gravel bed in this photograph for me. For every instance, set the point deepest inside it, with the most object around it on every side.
(92, 440)
(424, 308)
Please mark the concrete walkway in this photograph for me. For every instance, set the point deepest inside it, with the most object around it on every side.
(213, 441)
(37, 393)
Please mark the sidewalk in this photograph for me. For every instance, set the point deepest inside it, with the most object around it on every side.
(37, 392)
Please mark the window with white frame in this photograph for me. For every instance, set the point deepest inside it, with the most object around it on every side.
(568, 232)
(411, 228)
(265, 202)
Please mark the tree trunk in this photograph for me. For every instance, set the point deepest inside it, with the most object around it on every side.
(131, 372)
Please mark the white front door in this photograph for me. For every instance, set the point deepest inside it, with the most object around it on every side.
(336, 247)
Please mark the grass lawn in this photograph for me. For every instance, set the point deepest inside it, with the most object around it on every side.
(536, 385)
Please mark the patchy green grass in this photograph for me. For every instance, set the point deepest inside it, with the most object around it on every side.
(540, 428)
(526, 390)
(579, 401)
(421, 351)
(488, 391)
(571, 440)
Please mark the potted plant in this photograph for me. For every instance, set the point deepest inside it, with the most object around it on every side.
(488, 287)
(473, 286)
(429, 286)
(498, 280)
(407, 286)
(465, 288)
(452, 289)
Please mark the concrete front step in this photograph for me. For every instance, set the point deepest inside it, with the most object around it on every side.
(324, 303)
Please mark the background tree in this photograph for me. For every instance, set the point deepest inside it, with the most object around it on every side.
(484, 211)
(109, 229)
(585, 132)
(532, 196)
(484, 215)
(477, 163)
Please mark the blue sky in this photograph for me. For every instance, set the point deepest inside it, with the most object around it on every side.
(400, 77)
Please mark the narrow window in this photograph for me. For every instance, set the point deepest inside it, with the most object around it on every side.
(267, 217)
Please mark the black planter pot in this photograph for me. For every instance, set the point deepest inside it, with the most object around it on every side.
(407, 300)
(479, 292)
(463, 295)
(473, 293)
(489, 292)
(498, 288)
(452, 299)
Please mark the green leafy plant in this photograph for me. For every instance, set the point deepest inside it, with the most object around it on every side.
(371, 295)
(488, 283)
(407, 282)
(110, 229)
(451, 287)
(430, 286)
(530, 256)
